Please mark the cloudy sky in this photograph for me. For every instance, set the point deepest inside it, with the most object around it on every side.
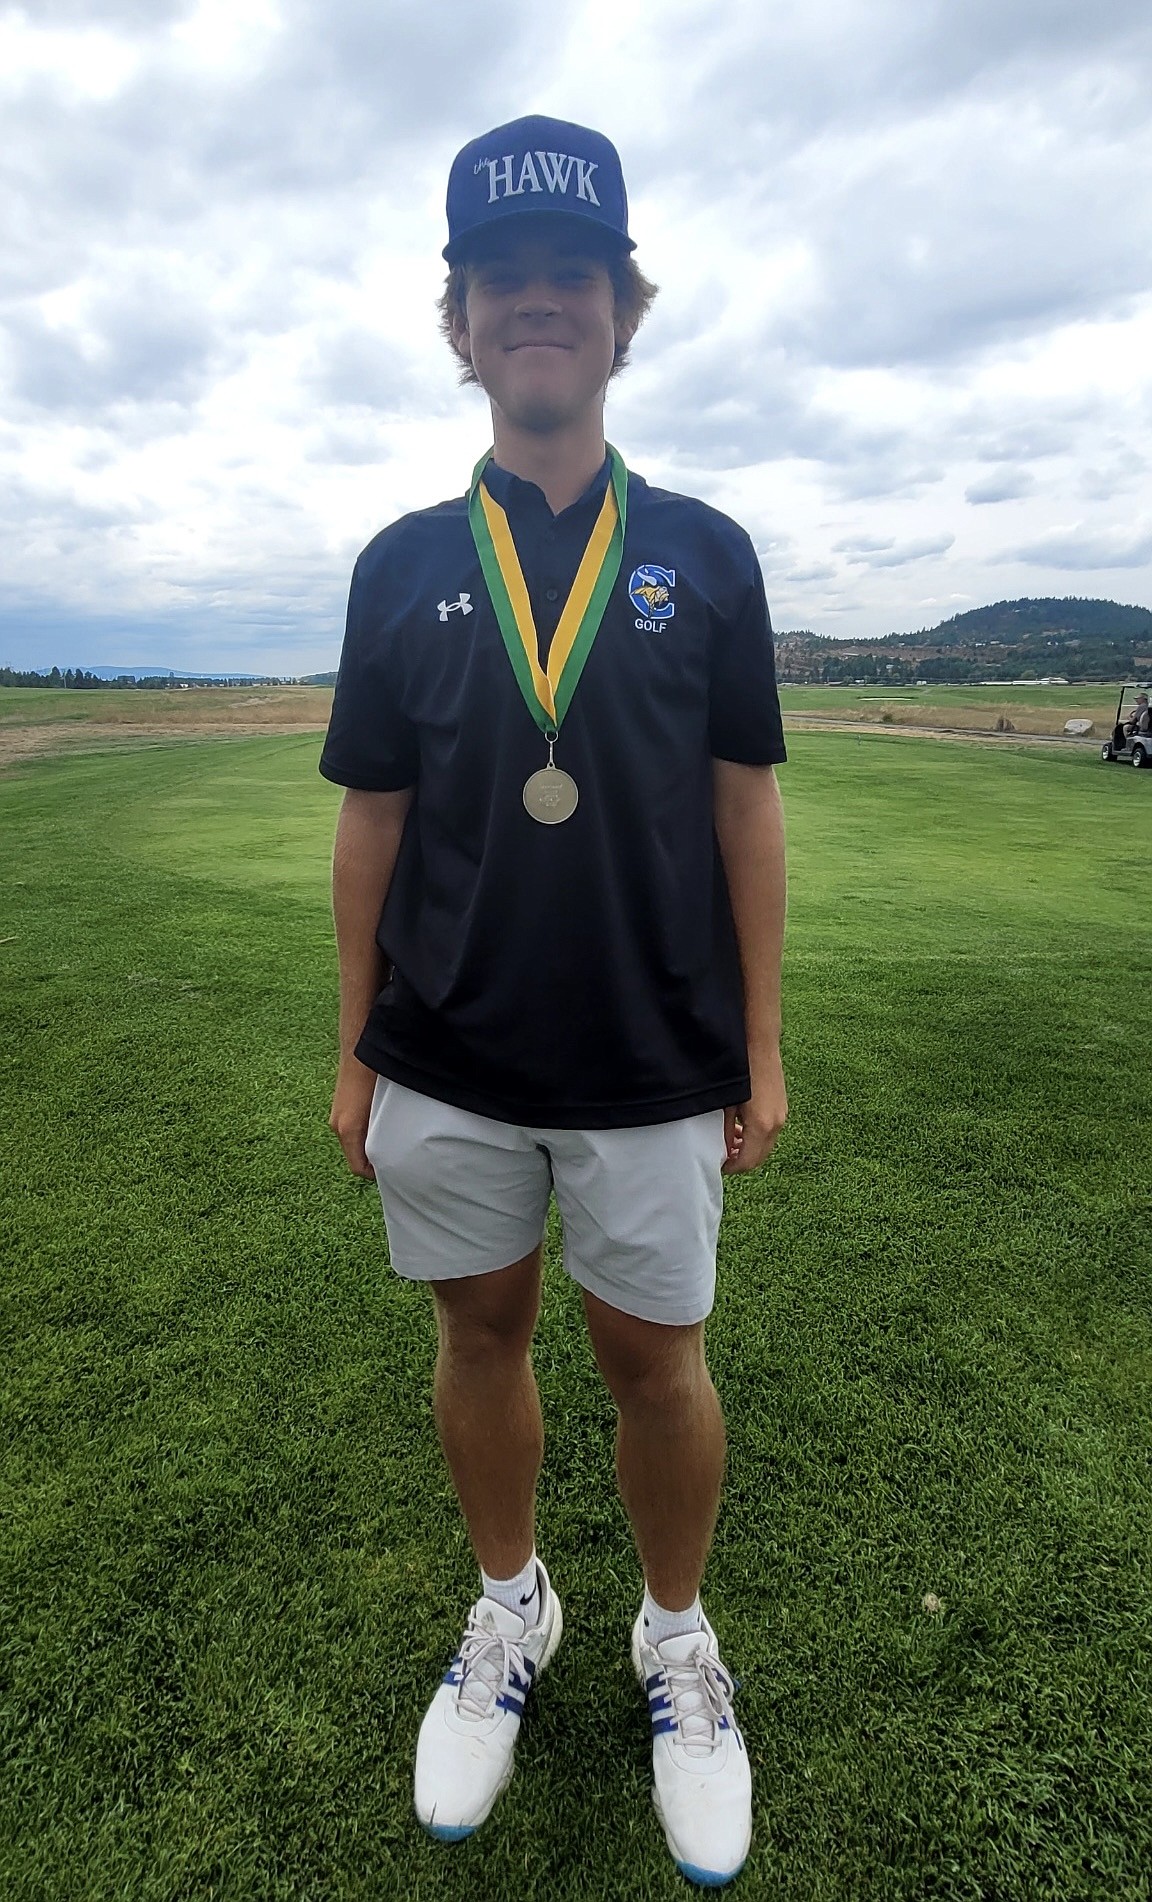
(904, 331)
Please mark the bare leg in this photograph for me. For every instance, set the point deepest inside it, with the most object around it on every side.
(669, 1444)
(488, 1408)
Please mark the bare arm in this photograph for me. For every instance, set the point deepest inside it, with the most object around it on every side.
(367, 840)
(750, 829)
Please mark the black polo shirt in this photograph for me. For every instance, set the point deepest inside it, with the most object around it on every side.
(581, 975)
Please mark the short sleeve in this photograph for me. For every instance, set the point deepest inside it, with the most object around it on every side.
(371, 745)
(744, 721)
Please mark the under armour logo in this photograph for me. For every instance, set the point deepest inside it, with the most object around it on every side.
(449, 607)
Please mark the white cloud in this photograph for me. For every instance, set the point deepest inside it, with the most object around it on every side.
(815, 571)
(1081, 547)
(899, 555)
(863, 545)
(1119, 472)
(1008, 486)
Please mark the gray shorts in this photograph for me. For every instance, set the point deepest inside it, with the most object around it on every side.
(465, 1195)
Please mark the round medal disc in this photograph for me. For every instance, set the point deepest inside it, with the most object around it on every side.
(550, 796)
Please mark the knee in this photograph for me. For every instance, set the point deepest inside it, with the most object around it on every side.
(485, 1331)
(654, 1369)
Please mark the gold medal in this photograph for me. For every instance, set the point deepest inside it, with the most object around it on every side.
(551, 796)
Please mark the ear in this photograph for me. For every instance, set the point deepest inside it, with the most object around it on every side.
(625, 329)
(461, 339)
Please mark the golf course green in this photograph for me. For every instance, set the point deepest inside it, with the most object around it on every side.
(231, 1570)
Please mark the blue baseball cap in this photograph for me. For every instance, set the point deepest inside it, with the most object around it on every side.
(531, 166)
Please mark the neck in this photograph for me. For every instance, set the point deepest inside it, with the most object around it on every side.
(562, 462)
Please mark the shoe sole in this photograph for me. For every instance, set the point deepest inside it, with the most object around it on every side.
(459, 1832)
(706, 1878)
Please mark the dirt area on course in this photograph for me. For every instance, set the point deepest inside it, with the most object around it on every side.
(977, 735)
(99, 721)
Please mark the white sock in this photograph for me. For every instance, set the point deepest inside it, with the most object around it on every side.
(660, 1624)
(520, 1594)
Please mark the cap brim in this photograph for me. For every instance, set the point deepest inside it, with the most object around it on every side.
(473, 243)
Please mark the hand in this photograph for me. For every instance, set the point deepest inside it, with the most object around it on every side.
(351, 1108)
(751, 1129)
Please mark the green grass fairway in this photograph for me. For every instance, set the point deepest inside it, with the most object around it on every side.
(231, 1570)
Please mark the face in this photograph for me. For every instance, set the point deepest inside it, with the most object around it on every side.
(540, 329)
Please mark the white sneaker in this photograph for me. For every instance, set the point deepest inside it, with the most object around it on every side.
(468, 1737)
(702, 1785)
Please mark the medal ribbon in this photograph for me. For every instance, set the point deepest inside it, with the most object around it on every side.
(548, 695)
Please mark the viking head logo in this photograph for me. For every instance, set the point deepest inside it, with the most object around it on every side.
(650, 591)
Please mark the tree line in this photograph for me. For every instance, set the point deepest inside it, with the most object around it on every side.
(79, 677)
(830, 662)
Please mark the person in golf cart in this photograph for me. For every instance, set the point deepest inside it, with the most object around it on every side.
(1137, 720)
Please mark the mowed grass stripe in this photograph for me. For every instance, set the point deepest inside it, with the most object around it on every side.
(231, 1565)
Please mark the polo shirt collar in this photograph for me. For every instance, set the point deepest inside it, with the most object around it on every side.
(513, 492)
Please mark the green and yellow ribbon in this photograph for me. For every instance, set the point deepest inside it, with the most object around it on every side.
(548, 694)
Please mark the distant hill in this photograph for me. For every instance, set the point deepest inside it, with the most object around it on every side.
(318, 680)
(1027, 639)
(1008, 623)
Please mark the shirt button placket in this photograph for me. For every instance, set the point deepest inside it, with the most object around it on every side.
(549, 620)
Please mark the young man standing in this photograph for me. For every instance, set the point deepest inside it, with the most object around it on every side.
(559, 901)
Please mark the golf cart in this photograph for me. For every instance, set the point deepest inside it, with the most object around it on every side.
(1132, 737)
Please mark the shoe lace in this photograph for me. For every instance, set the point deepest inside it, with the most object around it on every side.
(701, 1692)
(486, 1662)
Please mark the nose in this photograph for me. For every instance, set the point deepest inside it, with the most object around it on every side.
(537, 299)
